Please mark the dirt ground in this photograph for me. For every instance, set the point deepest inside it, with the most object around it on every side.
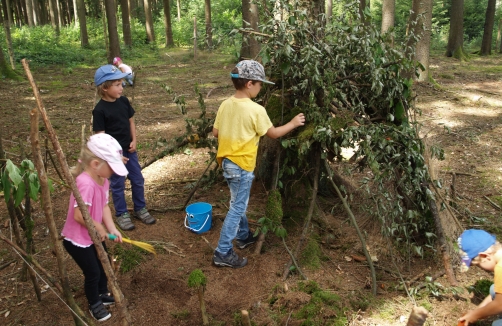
(462, 114)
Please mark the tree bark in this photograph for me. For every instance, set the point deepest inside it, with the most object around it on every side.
(422, 15)
(49, 217)
(29, 12)
(126, 23)
(84, 38)
(363, 4)
(75, 11)
(388, 15)
(486, 44)
(178, 5)
(455, 46)
(209, 27)
(113, 35)
(250, 46)
(150, 34)
(6, 27)
(329, 10)
(54, 13)
(168, 24)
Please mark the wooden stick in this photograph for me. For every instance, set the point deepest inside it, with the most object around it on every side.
(418, 316)
(103, 257)
(492, 203)
(245, 318)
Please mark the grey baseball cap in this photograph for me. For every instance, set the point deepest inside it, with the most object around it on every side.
(252, 70)
(108, 72)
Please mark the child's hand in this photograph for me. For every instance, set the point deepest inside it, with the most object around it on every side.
(125, 159)
(101, 232)
(132, 147)
(117, 234)
(299, 120)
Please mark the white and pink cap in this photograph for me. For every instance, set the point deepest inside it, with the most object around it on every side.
(108, 148)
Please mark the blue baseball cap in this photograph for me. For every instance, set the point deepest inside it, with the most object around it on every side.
(108, 72)
(471, 243)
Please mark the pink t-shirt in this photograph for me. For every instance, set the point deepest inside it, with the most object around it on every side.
(96, 198)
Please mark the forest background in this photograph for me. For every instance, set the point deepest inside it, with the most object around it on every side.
(70, 38)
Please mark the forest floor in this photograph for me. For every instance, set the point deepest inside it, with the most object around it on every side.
(462, 113)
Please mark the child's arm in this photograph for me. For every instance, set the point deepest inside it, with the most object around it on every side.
(110, 226)
(215, 133)
(77, 215)
(276, 132)
(132, 146)
(487, 308)
(122, 69)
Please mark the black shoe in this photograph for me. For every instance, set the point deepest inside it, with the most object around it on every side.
(229, 260)
(107, 299)
(241, 244)
(99, 312)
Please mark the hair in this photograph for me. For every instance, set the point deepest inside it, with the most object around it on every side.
(493, 249)
(105, 85)
(240, 83)
(85, 158)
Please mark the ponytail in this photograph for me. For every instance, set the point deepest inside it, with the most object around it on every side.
(85, 158)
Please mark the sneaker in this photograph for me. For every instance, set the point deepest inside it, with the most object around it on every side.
(124, 222)
(241, 244)
(107, 299)
(99, 312)
(144, 216)
(230, 260)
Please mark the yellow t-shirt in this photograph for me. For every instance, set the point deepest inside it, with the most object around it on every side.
(240, 123)
(497, 278)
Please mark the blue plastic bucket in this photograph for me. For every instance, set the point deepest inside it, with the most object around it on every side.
(199, 217)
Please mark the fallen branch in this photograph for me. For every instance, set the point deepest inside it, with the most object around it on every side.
(354, 222)
(4, 266)
(492, 203)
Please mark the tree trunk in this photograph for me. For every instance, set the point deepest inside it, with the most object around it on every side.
(388, 15)
(132, 9)
(250, 46)
(455, 47)
(29, 12)
(84, 39)
(75, 11)
(8, 9)
(209, 28)
(423, 45)
(53, 9)
(150, 34)
(364, 5)
(6, 27)
(329, 10)
(113, 35)
(178, 5)
(486, 44)
(168, 24)
(500, 36)
(5, 70)
(126, 23)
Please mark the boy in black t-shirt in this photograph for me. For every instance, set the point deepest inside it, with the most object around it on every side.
(114, 115)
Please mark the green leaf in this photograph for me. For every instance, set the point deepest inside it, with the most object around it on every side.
(6, 186)
(19, 194)
(14, 173)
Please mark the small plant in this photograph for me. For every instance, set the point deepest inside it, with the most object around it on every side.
(181, 315)
(324, 307)
(129, 258)
(198, 280)
(481, 288)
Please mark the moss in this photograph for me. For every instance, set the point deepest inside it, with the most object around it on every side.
(306, 133)
(196, 279)
(341, 120)
(324, 307)
(273, 211)
(129, 258)
(311, 255)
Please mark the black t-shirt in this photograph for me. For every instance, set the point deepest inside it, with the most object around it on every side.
(113, 119)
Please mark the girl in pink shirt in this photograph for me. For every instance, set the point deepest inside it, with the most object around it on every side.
(98, 161)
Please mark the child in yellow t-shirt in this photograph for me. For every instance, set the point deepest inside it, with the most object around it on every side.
(239, 124)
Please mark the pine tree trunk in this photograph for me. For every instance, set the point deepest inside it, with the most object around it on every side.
(84, 39)
(456, 34)
(169, 29)
(126, 23)
(250, 46)
(388, 15)
(149, 21)
(113, 35)
(209, 28)
(486, 44)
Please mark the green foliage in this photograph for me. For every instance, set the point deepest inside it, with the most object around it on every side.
(197, 279)
(433, 288)
(324, 307)
(349, 72)
(13, 181)
(311, 255)
(272, 221)
(129, 258)
(181, 315)
(481, 288)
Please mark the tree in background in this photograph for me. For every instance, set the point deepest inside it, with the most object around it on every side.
(421, 23)
(53, 8)
(168, 24)
(209, 28)
(455, 46)
(126, 24)
(250, 46)
(388, 12)
(113, 36)
(149, 21)
(486, 44)
(84, 39)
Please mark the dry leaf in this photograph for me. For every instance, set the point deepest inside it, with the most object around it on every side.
(347, 258)
(7, 314)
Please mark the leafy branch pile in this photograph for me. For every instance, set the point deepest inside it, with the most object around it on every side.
(354, 86)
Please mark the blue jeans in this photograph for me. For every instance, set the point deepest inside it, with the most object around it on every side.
(117, 186)
(235, 225)
(497, 322)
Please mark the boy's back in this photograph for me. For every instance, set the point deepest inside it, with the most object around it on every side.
(113, 119)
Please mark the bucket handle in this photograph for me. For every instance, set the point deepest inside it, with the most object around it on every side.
(192, 229)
